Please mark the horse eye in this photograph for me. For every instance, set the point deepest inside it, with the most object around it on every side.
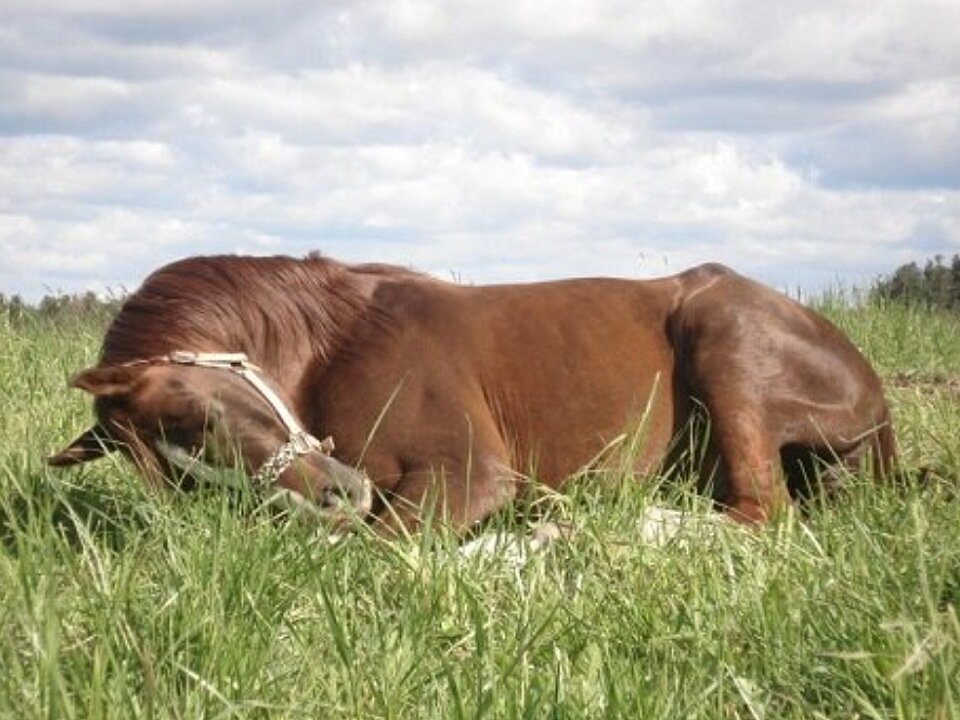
(186, 436)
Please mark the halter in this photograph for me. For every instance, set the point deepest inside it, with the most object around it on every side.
(299, 441)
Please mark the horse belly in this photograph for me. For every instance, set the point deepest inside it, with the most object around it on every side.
(620, 415)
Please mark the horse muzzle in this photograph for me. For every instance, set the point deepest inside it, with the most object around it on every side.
(323, 488)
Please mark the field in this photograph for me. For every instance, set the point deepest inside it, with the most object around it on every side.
(115, 603)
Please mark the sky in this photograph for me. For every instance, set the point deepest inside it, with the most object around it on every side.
(808, 144)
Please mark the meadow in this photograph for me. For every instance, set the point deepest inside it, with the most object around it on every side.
(119, 603)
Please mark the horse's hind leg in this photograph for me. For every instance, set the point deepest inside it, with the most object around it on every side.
(750, 475)
(840, 439)
(813, 470)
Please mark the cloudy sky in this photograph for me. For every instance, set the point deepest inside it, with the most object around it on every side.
(804, 143)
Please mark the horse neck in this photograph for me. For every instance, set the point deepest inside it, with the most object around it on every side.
(305, 335)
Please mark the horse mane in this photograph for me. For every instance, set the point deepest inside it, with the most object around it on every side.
(256, 305)
(373, 268)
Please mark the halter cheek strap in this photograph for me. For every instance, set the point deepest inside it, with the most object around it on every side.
(299, 441)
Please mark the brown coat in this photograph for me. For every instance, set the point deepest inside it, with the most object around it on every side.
(465, 392)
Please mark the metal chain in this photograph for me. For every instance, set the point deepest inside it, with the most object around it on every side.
(275, 465)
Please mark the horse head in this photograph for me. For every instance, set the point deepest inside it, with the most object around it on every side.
(185, 416)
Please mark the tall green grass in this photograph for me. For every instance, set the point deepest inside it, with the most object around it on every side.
(118, 603)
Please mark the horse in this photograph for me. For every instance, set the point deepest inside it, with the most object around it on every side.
(458, 397)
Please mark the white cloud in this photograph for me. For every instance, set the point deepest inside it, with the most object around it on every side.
(500, 140)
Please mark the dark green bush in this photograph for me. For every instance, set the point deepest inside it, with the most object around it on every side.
(936, 285)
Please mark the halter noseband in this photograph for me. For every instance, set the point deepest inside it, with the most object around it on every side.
(299, 441)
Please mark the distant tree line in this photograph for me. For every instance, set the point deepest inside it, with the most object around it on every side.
(62, 306)
(935, 285)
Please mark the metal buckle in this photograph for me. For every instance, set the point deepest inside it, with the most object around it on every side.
(183, 357)
(303, 443)
(189, 357)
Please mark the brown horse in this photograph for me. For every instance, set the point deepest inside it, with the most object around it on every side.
(457, 394)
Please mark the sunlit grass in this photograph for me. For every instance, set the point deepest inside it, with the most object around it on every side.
(115, 602)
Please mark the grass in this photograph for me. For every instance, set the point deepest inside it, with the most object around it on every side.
(118, 603)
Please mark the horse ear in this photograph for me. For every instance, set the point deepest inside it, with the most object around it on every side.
(91, 445)
(105, 381)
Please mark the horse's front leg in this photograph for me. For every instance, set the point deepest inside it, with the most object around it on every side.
(457, 493)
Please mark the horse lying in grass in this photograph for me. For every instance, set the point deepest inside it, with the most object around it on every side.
(448, 395)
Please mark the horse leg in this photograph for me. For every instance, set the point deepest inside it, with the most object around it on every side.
(452, 494)
(749, 468)
(840, 443)
(850, 462)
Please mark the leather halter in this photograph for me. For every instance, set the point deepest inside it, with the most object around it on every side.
(299, 441)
